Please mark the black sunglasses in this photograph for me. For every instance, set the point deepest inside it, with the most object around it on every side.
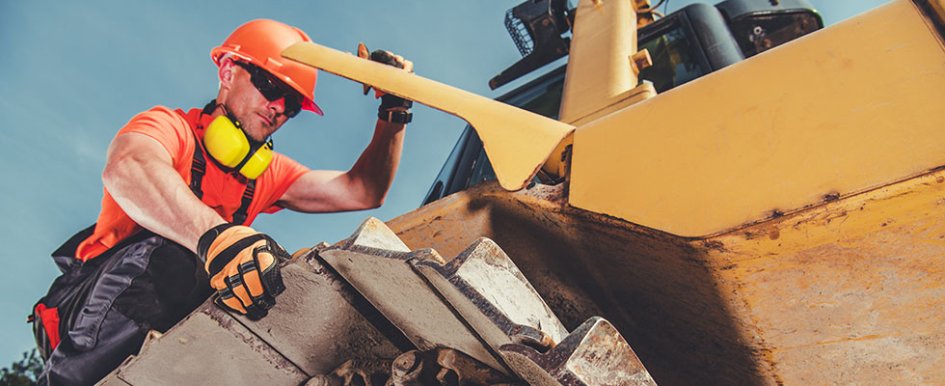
(273, 89)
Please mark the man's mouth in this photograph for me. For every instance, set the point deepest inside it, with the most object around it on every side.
(269, 121)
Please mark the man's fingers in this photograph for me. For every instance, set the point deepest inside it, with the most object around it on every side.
(250, 278)
(392, 59)
(243, 267)
(382, 56)
(229, 299)
(402, 63)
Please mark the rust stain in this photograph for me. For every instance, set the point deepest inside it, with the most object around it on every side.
(714, 245)
(832, 196)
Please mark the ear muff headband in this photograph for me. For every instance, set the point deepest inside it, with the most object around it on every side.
(228, 144)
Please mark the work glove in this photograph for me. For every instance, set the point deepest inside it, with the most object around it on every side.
(393, 108)
(243, 266)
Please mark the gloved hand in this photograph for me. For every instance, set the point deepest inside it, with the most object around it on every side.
(391, 59)
(243, 266)
(393, 108)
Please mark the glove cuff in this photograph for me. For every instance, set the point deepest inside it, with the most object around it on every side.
(402, 117)
(206, 240)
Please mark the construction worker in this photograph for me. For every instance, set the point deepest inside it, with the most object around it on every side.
(182, 188)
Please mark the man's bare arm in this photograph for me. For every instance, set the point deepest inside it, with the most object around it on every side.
(365, 186)
(140, 176)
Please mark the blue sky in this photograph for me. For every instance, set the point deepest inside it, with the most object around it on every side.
(75, 72)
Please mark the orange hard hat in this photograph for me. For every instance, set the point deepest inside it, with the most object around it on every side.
(260, 42)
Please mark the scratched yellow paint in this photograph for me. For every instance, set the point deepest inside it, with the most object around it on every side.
(840, 111)
(851, 291)
(858, 284)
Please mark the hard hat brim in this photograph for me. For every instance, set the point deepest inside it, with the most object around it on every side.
(310, 105)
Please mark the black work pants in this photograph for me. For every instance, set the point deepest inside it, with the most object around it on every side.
(108, 304)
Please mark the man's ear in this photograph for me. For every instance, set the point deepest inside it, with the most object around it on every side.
(225, 72)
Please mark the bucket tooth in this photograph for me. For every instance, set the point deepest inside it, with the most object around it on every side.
(373, 233)
(593, 354)
(315, 313)
(475, 303)
(209, 341)
(389, 282)
(493, 296)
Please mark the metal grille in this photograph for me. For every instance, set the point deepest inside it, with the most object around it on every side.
(518, 32)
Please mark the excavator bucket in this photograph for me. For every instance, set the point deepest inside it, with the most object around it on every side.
(368, 307)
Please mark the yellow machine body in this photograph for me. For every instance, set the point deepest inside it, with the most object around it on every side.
(779, 221)
(850, 108)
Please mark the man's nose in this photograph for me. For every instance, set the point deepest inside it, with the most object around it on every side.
(278, 105)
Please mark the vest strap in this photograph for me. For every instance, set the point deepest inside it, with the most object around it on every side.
(199, 168)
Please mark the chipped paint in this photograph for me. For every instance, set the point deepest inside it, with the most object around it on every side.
(818, 295)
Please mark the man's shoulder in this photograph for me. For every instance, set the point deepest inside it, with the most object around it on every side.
(161, 118)
(163, 114)
(170, 127)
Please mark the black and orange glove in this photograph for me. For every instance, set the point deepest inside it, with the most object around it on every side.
(243, 266)
(393, 108)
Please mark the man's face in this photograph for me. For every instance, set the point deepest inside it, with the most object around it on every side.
(259, 116)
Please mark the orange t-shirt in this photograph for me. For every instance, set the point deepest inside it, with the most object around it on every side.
(222, 191)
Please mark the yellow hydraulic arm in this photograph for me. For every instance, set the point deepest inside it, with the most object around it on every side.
(516, 141)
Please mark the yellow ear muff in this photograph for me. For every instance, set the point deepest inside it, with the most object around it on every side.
(258, 161)
(227, 144)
